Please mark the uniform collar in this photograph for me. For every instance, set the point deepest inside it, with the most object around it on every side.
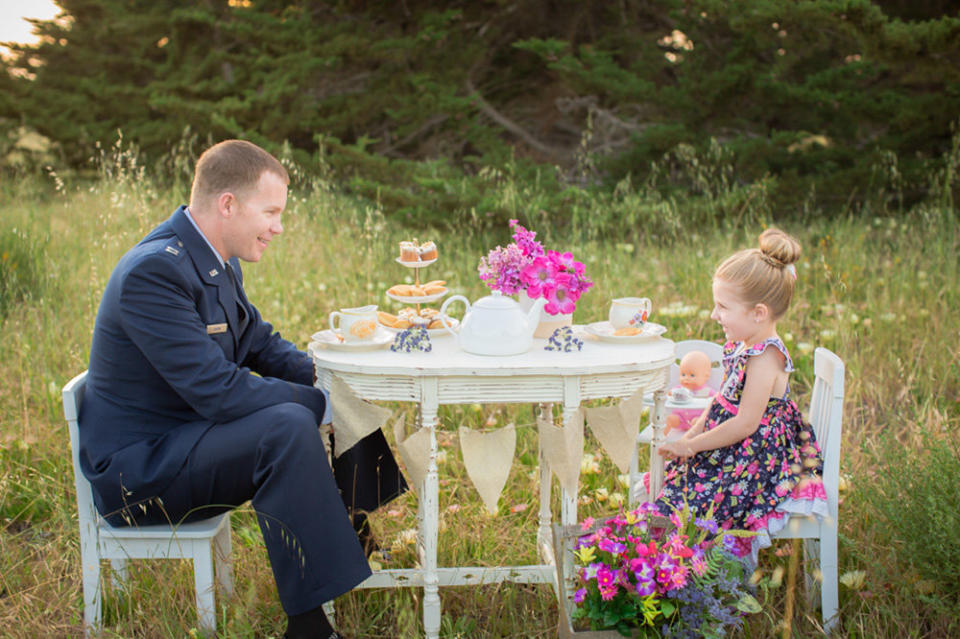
(208, 262)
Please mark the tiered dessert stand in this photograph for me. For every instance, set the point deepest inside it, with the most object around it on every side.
(417, 299)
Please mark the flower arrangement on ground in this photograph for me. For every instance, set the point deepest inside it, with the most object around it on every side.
(644, 575)
(524, 265)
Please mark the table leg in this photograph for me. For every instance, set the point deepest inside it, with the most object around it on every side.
(659, 421)
(568, 501)
(544, 534)
(428, 516)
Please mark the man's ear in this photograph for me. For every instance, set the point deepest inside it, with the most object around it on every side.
(227, 204)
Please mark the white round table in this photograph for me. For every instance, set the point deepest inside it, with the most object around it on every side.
(448, 375)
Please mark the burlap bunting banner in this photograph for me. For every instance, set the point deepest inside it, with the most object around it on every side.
(488, 457)
(414, 451)
(353, 418)
(563, 449)
(616, 428)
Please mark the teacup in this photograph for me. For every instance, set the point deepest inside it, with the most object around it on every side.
(356, 324)
(629, 311)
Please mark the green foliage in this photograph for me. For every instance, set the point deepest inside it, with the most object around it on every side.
(21, 268)
(403, 104)
(916, 514)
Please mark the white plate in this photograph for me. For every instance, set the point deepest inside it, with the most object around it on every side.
(422, 299)
(416, 264)
(330, 339)
(432, 332)
(604, 332)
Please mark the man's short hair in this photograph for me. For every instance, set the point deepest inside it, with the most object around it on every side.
(234, 166)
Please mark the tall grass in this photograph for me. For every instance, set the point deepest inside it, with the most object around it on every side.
(879, 290)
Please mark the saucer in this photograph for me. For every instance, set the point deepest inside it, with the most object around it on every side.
(331, 340)
(603, 331)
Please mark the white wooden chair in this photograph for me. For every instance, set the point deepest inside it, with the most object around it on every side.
(820, 545)
(99, 540)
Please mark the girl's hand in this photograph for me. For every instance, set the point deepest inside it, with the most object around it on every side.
(679, 449)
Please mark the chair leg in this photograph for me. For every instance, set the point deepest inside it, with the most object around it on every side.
(829, 595)
(203, 583)
(331, 612)
(221, 548)
(92, 593)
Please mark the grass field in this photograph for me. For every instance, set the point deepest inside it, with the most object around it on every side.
(880, 291)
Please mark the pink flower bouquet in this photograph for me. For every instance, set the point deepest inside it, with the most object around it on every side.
(524, 265)
(644, 575)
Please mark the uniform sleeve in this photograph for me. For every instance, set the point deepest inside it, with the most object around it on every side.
(158, 312)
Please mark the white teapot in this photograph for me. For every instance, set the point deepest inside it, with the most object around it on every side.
(494, 325)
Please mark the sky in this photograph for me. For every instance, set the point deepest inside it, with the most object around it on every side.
(13, 27)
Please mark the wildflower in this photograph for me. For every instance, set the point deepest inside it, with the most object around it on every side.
(707, 524)
(580, 595)
(586, 554)
(611, 546)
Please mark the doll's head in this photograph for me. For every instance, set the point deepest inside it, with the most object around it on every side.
(694, 370)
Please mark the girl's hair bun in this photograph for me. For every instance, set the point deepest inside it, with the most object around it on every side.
(779, 248)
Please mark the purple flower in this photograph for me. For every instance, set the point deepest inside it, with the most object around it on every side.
(709, 525)
(580, 595)
(526, 240)
(611, 546)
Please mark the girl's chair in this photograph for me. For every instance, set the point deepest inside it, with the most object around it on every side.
(99, 540)
(820, 545)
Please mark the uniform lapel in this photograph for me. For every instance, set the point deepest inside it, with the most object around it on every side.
(209, 269)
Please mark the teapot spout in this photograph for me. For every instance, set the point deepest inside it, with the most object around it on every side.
(533, 315)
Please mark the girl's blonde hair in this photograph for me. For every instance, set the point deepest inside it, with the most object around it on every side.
(764, 275)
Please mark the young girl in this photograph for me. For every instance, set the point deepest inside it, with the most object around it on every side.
(750, 455)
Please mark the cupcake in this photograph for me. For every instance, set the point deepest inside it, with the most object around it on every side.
(409, 252)
(428, 251)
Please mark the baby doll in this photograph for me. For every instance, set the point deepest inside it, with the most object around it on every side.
(694, 375)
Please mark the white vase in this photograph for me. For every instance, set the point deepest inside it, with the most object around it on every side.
(548, 323)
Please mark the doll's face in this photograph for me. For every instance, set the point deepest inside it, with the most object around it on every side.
(694, 370)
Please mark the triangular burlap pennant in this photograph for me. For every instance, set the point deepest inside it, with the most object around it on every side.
(414, 451)
(488, 457)
(616, 428)
(563, 449)
(353, 418)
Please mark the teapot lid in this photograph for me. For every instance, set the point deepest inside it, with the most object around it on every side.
(496, 300)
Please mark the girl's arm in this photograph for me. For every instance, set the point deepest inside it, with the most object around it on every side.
(697, 426)
(762, 371)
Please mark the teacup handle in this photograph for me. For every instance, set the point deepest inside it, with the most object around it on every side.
(332, 315)
(443, 311)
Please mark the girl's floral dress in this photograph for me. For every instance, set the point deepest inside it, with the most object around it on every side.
(758, 482)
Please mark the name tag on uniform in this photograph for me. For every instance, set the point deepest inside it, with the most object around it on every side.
(213, 329)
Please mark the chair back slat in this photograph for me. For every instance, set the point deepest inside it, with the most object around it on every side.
(826, 417)
(72, 399)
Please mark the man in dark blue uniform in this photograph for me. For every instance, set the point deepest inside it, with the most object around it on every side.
(175, 426)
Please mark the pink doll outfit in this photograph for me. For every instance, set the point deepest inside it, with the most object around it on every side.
(687, 415)
(754, 484)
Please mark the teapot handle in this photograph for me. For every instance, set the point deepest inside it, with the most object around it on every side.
(443, 311)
